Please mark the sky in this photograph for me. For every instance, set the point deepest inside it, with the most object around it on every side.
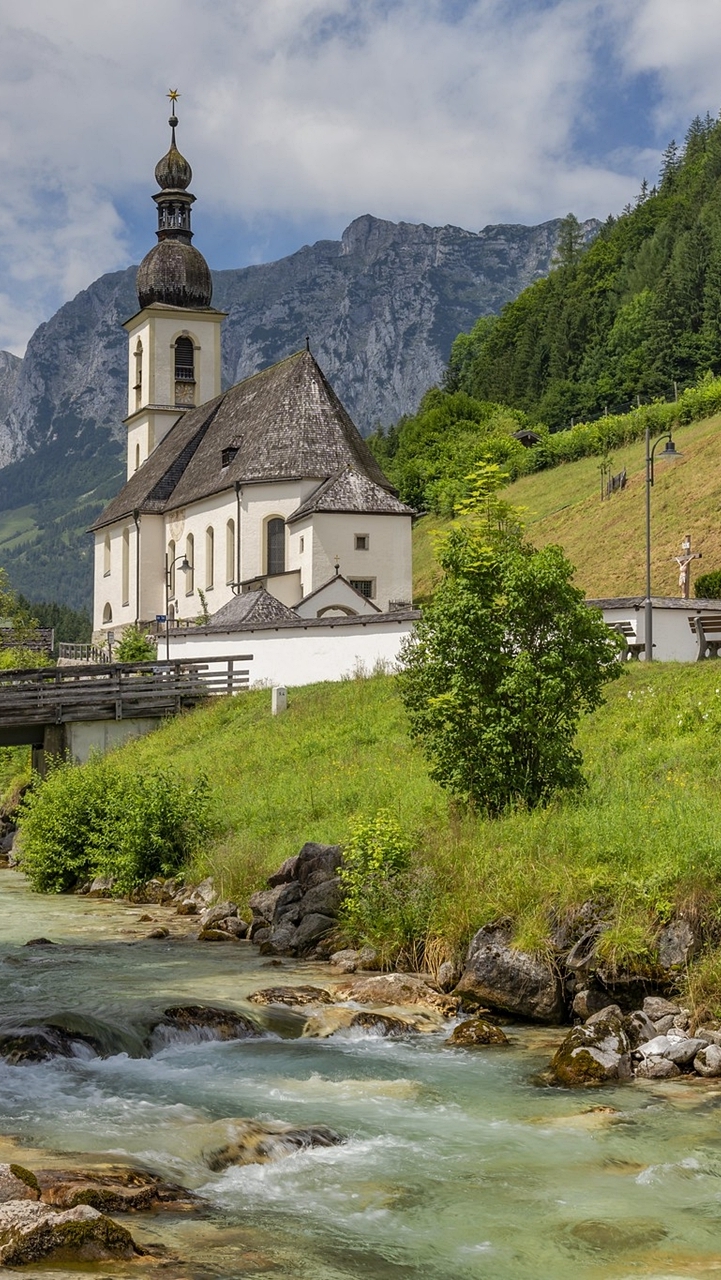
(299, 115)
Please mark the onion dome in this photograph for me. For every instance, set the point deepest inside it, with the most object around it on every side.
(174, 272)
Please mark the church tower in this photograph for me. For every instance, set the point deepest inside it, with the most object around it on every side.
(174, 340)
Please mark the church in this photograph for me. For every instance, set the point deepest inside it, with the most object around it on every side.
(266, 490)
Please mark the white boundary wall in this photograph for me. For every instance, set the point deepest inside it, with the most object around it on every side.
(296, 655)
(673, 639)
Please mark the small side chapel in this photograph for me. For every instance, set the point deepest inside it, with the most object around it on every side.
(267, 487)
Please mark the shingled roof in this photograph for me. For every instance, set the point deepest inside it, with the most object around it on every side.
(284, 423)
(253, 606)
(351, 491)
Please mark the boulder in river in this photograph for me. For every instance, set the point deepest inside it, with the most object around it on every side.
(499, 976)
(195, 1022)
(17, 1183)
(115, 1190)
(256, 1142)
(301, 904)
(475, 1032)
(396, 989)
(681, 1049)
(593, 1054)
(31, 1232)
(294, 997)
(708, 1061)
(371, 1022)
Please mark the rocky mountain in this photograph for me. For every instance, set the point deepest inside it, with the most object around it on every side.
(381, 307)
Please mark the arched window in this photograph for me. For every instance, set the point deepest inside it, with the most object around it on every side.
(209, 558)
(184, 360)
(107, 614)
(138, 385)
(171, 568)
(126, 567)
(106, 556)
(137, 457)
(230, 552)
(184, 371)
(190, 572)
(276, 546)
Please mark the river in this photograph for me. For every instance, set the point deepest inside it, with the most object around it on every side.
(456, 1165)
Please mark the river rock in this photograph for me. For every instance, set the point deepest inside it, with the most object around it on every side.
(281, 941)
(657, 1069)
(255, 1142)
(679, 1049)
(448, 975)
(639, 1028)
(710, 1034)
(324, 899)
(35, 1044)
(31, 1232)
(199, 897)
(500, 977)
(373, 1022)
(657, 1007)
(215, 934)
(589, 1000)
(294, 997)
(187, 907)
(313, 927)
(603, 1015)
(263, 903)
(285, 873)
(233, 925)
(676, 944)
(476, 1031)
(317, 862)
(368, 959)
(396, 989)
(101, 887)
(345, 960)
(591, 1055)
(708, 1061)
(17, 1183)
(119, 1190)
(204, 1022)
(214, 915)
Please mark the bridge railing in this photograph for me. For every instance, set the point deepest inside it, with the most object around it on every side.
(117, 691)
(83, 653)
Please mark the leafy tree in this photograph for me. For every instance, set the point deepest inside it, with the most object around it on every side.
(134, 646)
(23, 629)
(505, 660)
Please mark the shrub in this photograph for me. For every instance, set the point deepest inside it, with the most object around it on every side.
(135, 646)
(93, 819)
(504, 662)
(376, 852)
(708, 585)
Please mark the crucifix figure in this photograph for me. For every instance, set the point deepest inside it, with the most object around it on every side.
(684, 566)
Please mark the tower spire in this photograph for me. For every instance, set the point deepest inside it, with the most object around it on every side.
(174, 272)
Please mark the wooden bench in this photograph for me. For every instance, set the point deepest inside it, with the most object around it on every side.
(633, 648)
(707, 628)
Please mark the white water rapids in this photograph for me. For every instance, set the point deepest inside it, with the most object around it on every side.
(456, 1166)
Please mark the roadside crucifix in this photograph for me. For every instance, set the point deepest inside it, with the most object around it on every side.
(684, 566)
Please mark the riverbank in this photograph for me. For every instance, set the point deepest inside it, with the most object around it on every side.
(642, 844)
(452, 1161)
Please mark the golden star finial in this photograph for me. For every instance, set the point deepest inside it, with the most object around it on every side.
(173, 95)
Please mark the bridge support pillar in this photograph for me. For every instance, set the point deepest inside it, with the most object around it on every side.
(53, 744)
(84, 738)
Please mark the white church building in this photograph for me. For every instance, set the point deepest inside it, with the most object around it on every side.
(266, 489)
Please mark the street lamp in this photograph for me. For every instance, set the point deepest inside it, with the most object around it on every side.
(669, 454)
(169, 566)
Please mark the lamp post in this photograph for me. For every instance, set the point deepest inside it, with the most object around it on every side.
(669, 454)
(169, 566)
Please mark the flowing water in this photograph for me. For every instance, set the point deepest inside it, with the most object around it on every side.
(455, 1164)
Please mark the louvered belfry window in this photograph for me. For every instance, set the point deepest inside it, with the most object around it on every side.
(276, 546)
(184, 360)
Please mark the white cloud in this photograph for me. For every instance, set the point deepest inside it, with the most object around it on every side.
(679, 43)
(296, 109)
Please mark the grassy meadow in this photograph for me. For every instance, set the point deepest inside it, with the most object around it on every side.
(606, 540)
(644, 837)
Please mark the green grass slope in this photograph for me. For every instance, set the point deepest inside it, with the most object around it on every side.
(645, 836)
(606, 540)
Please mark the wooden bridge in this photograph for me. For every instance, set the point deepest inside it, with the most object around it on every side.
(81, 708)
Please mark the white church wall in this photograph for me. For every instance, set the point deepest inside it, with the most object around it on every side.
(387, 562)
(214, 513)
(673, 639)
(297, 655)
(152, 567)
(260, 503)
(115, 590)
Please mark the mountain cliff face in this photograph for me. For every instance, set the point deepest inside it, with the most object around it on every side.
(381, 308)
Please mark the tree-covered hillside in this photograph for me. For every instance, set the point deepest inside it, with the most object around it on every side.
(637, 311)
